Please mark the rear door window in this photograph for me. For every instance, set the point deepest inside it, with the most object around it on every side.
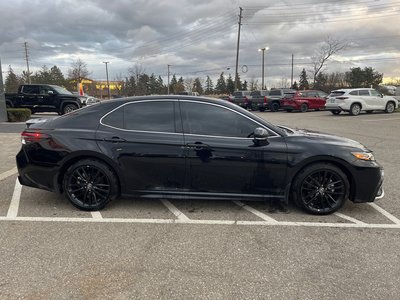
(30, 89)
(363, 92)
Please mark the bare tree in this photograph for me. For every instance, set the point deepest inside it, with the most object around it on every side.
(78, 70)
(188, 83)
(136, 71)
(330, 47)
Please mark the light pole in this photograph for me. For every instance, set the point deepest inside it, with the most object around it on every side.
(262, 76)
(108, 84)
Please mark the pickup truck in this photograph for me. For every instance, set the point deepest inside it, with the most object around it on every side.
(274, 98)
(241, 98)
(43, 98)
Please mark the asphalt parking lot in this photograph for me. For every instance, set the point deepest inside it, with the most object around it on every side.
(205, 249)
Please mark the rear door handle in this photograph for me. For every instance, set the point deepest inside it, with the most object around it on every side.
(114, 139)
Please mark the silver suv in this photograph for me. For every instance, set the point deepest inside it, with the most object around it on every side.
(357, 100)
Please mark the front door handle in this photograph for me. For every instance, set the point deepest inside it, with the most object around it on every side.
(114, 139)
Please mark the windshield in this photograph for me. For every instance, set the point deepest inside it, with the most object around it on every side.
(61, 90)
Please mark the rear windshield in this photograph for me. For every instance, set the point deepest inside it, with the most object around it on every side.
(336, 93)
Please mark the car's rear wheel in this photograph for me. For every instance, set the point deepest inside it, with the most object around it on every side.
(275, 106)
(355, 109)
(335, 112)
(69, 107)
(303, 107)
(90, 184)
(321, 188)
(390, 107)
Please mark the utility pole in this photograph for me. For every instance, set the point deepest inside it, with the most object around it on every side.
(168, 78)
(3, 107)
(237, 48)
(291, 78)
(108, 84)
(27, 62)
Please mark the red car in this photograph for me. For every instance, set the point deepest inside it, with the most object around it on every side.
(304, 100)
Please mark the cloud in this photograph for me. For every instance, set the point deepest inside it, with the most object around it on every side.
(198, 38)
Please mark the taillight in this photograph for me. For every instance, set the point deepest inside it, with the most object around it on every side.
(342, 98)
(33, 136)
(265, 99)
(246, 99)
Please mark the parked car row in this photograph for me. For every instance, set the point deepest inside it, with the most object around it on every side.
(353, 101)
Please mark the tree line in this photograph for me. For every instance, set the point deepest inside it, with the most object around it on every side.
(138, 82)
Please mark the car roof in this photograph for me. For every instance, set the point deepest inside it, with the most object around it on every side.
(347, 90)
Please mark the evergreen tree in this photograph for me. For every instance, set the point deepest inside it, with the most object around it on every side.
(197, 87)
(230, 85)
(220, 87)
(366, 77)
(244, 86)
(57, 76)
(303, 82)
(295, 86)
(209, 86)
(12, 81)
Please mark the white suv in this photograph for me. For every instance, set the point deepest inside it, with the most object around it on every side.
(356, 100)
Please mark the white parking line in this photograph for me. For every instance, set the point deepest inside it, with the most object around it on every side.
(8, 173)
(202, 222)
(96, 215)
(256, 212)
(14, 205)
(172, 208)
(348, 218)
(385, 213)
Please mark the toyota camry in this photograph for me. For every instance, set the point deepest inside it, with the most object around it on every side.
(192, 147)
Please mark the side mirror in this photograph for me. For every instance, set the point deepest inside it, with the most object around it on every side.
(260, 136)
(50, 93)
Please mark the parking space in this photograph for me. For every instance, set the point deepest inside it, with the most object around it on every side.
(27, 204)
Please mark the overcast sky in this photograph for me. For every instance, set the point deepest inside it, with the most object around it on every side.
(198, 38)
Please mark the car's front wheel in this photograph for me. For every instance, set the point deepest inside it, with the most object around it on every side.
(321, 188)
(390, 107)
(90, 184)
(69, 107)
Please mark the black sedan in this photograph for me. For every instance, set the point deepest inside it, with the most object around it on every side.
(192, 147)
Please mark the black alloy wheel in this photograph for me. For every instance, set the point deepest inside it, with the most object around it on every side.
(275, 106)
(69, 107)
(335, 112)
(321, 189)
(90, 184)
(355, 109)
(303, 107)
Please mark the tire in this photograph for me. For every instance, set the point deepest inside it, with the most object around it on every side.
(275, 106)
(369, 111)
(321, 188)
(303, 107)
(262, 109)
(390, 107)
(355, 109)
(90, 184)
(68, 108)
(335, 112)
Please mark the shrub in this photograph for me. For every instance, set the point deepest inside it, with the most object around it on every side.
(18, 114)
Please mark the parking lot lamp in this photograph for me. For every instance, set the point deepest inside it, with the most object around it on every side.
(262, 72)
(108, 84)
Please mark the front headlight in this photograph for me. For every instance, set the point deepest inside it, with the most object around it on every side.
(364, 155)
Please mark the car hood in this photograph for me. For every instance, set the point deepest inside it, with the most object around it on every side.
(324, 138)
